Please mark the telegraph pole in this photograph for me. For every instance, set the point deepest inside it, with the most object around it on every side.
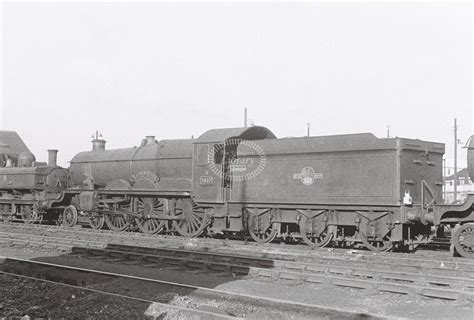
(455, 160)
(444, 179)
(388, 131)
(309, 126)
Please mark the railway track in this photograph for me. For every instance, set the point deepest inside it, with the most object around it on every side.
(280, 252)
(332, 261)
(451, 279)
(445, 267)
(284, 250)
(79, 278)
(444, 287)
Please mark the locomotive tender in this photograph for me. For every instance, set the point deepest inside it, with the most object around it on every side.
(343, 189)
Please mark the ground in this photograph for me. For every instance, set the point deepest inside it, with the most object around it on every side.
(23, 297)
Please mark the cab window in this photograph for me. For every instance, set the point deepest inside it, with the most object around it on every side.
(202, 154)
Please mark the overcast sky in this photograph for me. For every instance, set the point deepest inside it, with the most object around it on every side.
(177, 70)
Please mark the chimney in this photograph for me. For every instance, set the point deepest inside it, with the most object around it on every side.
(98, 145)
(150, 140)
(52, 158)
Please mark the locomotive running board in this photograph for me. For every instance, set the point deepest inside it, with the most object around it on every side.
(455, 213)
(137, 192)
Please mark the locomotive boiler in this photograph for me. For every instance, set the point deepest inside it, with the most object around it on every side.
(154, 165)
(132, 185)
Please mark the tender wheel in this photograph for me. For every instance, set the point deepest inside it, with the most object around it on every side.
(150, 210)
(260, 227)
(463, 240)
(374, 230)
(96, 221)
(376, 244)
(69, 218)
(6, 214)
(314, 232)
(191, 219)
(28, 215)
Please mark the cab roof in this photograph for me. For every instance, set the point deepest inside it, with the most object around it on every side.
(246, 133)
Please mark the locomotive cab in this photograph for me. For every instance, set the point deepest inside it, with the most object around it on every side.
(216, 164)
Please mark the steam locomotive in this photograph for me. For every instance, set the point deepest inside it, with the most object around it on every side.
(341, 189)
(28, 188)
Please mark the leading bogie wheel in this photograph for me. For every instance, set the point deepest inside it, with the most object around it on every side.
(69, 218)
(117, 221)
(463, 240)
(96, 221)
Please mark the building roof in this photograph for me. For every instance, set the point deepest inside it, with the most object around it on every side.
(461, 174)
(11, 143)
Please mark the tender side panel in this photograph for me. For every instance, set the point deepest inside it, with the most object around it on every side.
(349, 169)
(323, 178)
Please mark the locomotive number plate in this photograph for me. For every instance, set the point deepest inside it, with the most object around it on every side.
(206, 181)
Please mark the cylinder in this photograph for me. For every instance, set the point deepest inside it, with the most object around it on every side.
(53, 158)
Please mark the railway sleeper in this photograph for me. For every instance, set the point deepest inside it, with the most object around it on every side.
(369, 274)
